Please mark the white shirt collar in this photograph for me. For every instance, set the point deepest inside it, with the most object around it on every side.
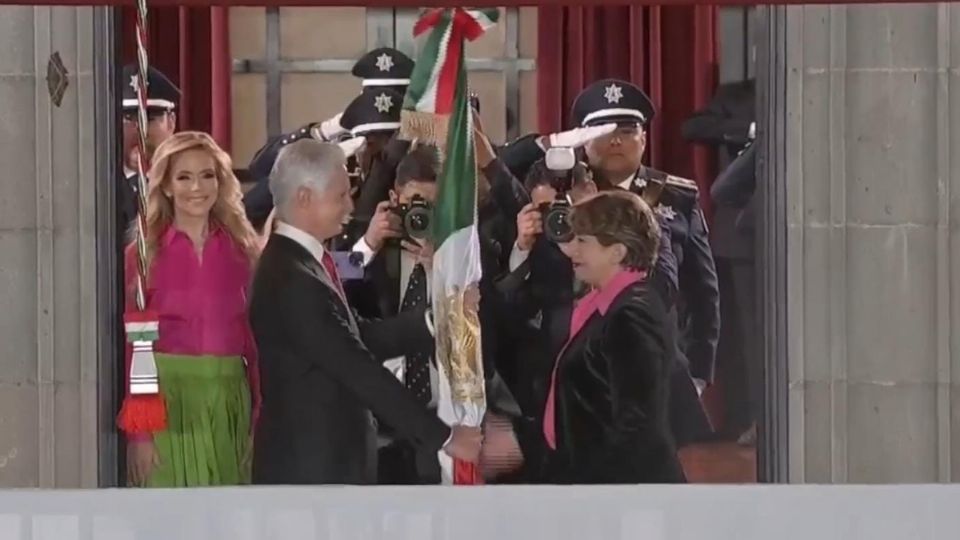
(128, 172)
(625, 183)
(305, 239)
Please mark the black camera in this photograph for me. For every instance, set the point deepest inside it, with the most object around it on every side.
(415, 217)
(556, 214)
(556, 218)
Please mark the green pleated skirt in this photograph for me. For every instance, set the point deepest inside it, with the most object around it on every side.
(207, 440)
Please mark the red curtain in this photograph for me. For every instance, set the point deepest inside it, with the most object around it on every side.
(191, 46)
(669, 51)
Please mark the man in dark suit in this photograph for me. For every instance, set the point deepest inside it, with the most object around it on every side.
(321, 366)
(728, 125)
(734, 190)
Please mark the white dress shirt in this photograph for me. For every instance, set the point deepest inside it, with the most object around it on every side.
(517, 256)
(315, 247)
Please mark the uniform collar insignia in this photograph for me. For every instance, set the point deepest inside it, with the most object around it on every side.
(666, 211)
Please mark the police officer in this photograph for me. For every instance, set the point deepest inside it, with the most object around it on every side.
(382, 70)
(162, 99)
(615, 160)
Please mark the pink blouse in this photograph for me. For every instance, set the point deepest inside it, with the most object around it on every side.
(201, 301)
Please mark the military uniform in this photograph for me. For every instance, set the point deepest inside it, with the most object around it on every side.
(369, 113)
(676, 200)
(162, 98)
(258, 202)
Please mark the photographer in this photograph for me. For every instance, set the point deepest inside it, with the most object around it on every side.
(397, 256)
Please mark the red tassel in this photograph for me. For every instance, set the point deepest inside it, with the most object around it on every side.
(466, 474)
(145, 413)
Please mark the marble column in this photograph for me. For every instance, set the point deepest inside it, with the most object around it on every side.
(872, 183)
(48, 263)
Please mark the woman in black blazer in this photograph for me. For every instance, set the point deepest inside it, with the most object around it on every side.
(605, 419)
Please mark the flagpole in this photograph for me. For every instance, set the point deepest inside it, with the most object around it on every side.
(143, 408)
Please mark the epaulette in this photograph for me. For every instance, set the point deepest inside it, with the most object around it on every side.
(683, 183)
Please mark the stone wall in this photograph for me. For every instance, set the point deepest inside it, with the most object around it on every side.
(48, 317)
(873, 182)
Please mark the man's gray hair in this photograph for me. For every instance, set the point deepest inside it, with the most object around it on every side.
(305, 163)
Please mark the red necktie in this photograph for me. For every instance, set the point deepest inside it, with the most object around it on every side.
(331, 268)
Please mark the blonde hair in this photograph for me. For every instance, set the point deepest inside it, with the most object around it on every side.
(228, 209)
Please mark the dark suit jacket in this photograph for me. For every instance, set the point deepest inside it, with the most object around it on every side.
(322, 377)
(611, 398)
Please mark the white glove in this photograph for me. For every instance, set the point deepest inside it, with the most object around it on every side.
(752, 132)
(352, 146)
(329, 129)
(577, 137)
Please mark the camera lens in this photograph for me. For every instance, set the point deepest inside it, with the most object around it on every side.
(556, 223)
(417, 222)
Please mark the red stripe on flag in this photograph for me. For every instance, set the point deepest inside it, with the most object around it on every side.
(141, 316)
(428, 21)
(447, 83)
(466, 474)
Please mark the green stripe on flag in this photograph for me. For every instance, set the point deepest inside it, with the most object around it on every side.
(423, 70)
(147, 335)
(457, 190)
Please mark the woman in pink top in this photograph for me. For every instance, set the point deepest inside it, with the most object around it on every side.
(200, 253)
(605, 420)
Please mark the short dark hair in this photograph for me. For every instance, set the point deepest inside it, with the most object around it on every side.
(620, 217)
(540, 175)
(421, 164)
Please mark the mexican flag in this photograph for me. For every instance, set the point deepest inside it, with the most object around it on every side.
(437, 111)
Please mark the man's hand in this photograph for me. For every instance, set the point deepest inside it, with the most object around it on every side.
(485, 151)
(142, 459)
(421, 249)
(529, 225)
(384, 224)
(501, 452)
(465, 443)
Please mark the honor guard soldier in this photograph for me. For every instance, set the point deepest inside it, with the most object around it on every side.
(384, 68)
(374, 115)
(615, 160)
(162, 99)
(258, 202)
